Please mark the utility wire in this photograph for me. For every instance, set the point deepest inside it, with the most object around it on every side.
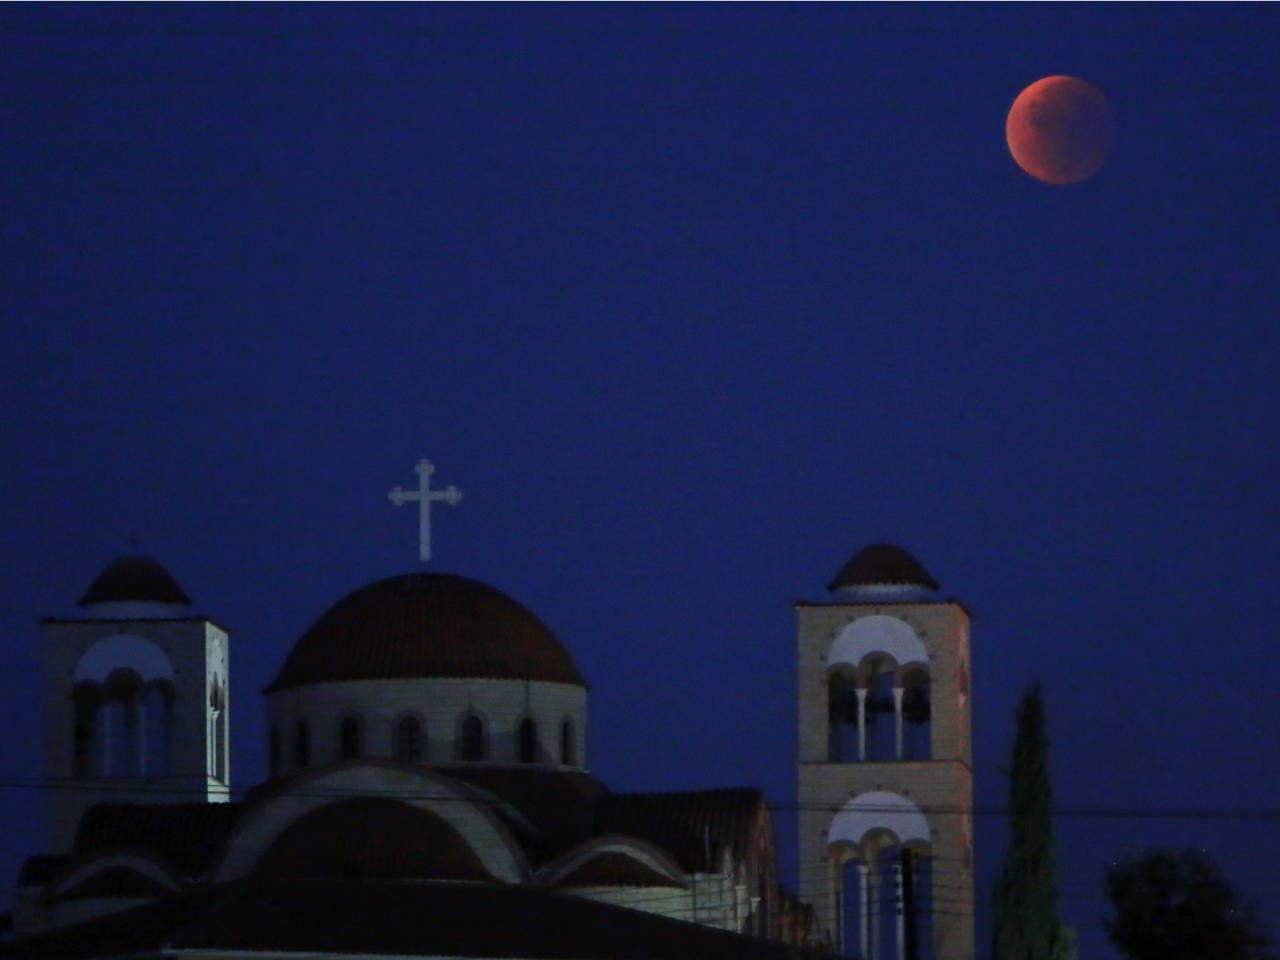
(107, 787)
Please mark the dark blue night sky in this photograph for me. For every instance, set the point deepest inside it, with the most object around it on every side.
(691, 302)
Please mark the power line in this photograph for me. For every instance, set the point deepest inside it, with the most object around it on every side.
(125, 787)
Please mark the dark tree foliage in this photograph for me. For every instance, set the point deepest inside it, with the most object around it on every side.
(1176, 905)
(1027, 926)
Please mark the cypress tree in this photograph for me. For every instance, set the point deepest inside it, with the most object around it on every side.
(1027, 926)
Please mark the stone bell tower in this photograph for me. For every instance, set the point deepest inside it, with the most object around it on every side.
(886, 782)
(136, 694)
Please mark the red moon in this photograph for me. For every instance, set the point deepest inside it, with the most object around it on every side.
(1060, 129)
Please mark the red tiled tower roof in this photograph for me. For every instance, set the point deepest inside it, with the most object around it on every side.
(134, 579)
(883, 563)
(426, 625)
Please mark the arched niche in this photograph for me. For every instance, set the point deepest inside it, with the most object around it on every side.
(877, 634)
(879, 810)
(123, 651)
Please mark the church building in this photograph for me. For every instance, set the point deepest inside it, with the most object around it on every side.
(429, 791)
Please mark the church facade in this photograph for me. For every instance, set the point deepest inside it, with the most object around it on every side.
(429, 793)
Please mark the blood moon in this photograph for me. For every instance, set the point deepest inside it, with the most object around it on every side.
(1060, 129)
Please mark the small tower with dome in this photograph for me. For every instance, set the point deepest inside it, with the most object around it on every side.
(137, 698)
(885, 775)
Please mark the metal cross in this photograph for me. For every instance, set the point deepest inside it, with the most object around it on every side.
(424, 495)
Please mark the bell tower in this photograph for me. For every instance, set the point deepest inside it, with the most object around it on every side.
(885, 776)
(136, 695)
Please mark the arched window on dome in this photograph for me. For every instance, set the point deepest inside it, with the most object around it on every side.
(472, 744)
(302, 744)
(568, 743)
(349, 738)
(528, 752)
(409, 740)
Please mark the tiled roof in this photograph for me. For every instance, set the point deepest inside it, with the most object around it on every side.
(614, 870)
(396, 918)
(134, 579)
(692, 826)
(116, 883)
(882, 563)
(371, 838)
(186, 835)
(554, 808)
(426, 625)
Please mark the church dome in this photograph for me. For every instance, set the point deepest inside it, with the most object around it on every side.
(134, 580)
(423, 625)
(882, 565)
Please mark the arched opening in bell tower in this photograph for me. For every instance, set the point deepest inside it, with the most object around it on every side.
(885, 899)
(157, 711)
(122, 705)
(122, 695)
(878, 693)
(882, 879)
(843, 724)
(87, 702)
(917, 712)
(881, 722)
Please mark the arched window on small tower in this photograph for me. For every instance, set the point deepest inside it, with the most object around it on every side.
(122, 715)
(349, 738)
(216, 754)
(87, 699)
(568, 743)
(157, 714)
(409, 740)
(116, 731)
(881, 719)
(223, 761)
(273, 750)
(528, 752)
(842, 715)
(917, 713)
(471, 740)
(302, 744)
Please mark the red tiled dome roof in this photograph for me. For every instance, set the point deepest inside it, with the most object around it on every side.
(426, 625)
